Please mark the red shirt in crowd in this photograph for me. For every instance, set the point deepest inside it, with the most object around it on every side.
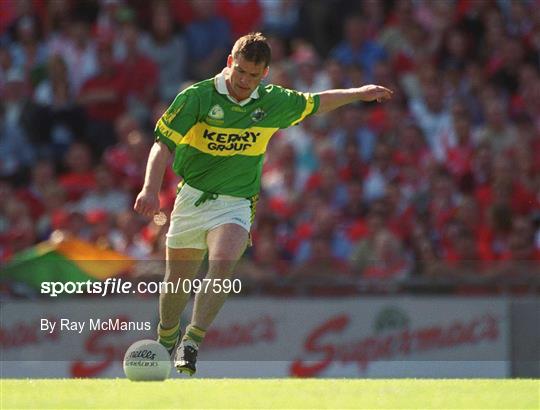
(243, 16)
(77, 183)
(106, 111)
(140, 74)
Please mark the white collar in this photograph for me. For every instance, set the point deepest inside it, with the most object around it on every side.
(221, 86)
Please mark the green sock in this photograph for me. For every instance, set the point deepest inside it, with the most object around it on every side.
(168, 337)
(194, 333)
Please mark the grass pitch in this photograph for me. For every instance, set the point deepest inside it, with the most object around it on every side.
(270, 394)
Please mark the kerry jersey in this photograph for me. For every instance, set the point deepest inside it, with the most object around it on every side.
(219, 145)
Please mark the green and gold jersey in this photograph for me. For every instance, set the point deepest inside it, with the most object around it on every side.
(219, 144)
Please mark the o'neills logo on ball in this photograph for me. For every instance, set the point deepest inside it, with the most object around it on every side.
(142, 354)
(147, 360)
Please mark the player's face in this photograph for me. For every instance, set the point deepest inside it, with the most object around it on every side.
(244, 76)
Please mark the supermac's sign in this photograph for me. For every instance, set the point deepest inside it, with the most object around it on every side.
(397, 345)
(274, 338)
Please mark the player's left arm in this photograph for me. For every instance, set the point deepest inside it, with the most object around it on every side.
(331, 99)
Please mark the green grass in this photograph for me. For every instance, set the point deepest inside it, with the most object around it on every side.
(270, 393)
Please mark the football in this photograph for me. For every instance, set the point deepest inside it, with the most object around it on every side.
(147, 360)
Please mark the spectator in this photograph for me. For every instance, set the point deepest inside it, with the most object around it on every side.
(28, 52)
(413, 148)
(323, 182)
(62, 121)
(100, 228)
(55, 210)
(494, 238)
(433, 117)
(352, 168)
(106, 24)
(57, 18)
(395, 37)
(209, 39)
(353, 208)
(427, 262)
(74, 224)
(16, 153)
(79, 176)
(284, 189)
(462, 256)
(388, 259)
(326, 228)
(56, 81)
(127, 238)
(357, 48)
(469, 217)
(454, 51)
(140, 73)
(505, 64)
(265, 265)
(105, 196)
(527, 167)
(281, 17)
(400, 211)
(321, 264)
(459, 157)
(521, 247)
(43, 175)
(6, 64)
(78, 50)
(335, 73)
(352, 126)
(103, 98)
(309, 76)
(362, 251)
(505, 189)
(380, 172)
(443, 200)
(497, 131)
(124, 158)
(243, 16)
(20, 231)
(168, 50)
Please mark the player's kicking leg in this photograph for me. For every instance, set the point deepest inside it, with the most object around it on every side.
(226, 244)
(182, 264)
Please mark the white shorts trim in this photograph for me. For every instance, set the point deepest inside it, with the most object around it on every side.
(190, 224)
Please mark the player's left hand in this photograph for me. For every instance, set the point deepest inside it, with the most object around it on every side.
(375, 93)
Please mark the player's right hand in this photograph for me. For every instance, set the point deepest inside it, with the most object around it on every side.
(147, 203)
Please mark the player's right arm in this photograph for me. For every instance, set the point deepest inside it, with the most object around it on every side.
(169, 132)
(147, 202)
(332, 99)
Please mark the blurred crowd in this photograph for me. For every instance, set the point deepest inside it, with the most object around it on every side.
(443, 179)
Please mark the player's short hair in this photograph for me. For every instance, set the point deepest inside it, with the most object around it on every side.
(254, 48)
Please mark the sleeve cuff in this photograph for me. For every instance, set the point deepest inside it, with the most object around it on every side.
(316, 103)
(161, 138)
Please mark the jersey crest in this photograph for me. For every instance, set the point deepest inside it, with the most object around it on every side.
(216, 112)
(258, 115)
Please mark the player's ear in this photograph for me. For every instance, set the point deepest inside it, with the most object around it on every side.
(266, 71)
(229, 61)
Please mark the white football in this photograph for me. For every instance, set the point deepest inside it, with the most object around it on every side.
(147, 360)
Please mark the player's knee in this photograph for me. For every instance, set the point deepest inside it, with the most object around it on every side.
(222, 269)
(222, 256)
